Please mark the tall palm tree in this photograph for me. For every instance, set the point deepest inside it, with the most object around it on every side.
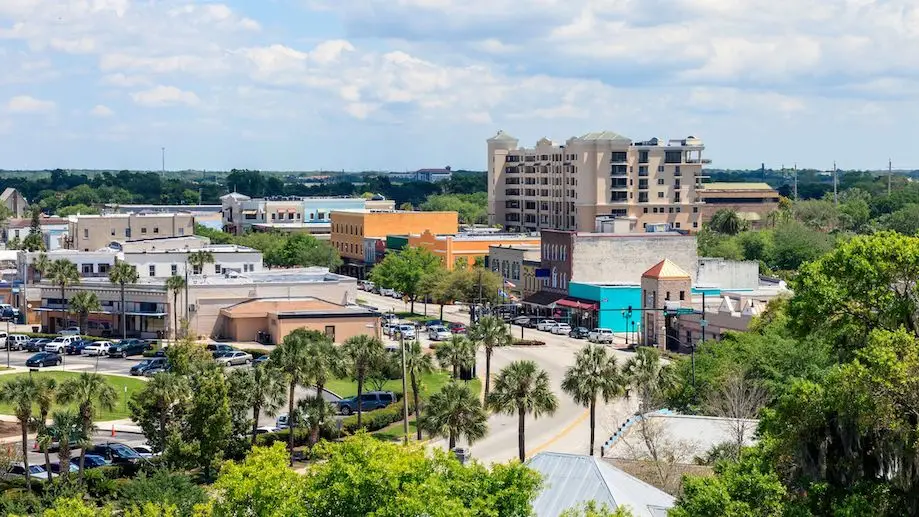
(417, 363)
(89, 391)
(593, 375)
(20, 393)
(83, 303)
(645, 373)
(327, 362)
(123, 274)
(63, 273)
(66, 429)
(318, 413)
(44, 399)
(726, 221)
(454, 412)
(198, 259)
(290, 358)
(455, 354)
(267, 394)
(490, 332)
(168, 392)
(522, 387)
(41, 265)
(365, 354)
(175, 283)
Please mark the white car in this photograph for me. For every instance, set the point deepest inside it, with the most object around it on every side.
(70, 331)
(546, 325)
(439, 333)
(234, 358)
(98, 348)
(144, 451)
(407, 331)
(60, 343)
(17, 341)
(385, 291)
(390, 328)
(600, 335)
(561, 329)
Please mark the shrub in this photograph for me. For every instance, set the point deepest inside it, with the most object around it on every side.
(162, 486)
(529, 342)
(102, 483)
(255, 352)
(376, 420)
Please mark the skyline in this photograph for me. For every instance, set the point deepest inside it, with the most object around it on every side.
(315, 85)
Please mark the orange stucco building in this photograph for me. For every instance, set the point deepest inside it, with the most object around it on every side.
(468, 247)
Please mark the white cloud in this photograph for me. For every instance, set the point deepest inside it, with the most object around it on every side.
(330, 51)
(124, 81)
(28, 104)
(165, 96)
(101, 111)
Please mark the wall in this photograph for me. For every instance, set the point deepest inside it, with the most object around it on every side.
(240, 261)
(613, 300)
(616, 259)
(344, 327)
(94, 232)
(556, 257)
(350, 228)
(728, 274)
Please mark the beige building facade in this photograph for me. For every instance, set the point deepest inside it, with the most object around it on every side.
(93, 232)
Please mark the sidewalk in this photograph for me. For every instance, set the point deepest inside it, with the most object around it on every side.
(124, 425)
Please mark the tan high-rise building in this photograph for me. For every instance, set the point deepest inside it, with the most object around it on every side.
(568, 186)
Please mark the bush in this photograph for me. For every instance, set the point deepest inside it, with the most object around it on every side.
(255, 352)
(376, 420)
(162, 486)
(529, 342)
(102, 483)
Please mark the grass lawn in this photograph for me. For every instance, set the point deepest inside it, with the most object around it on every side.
(119, 383)
(393, 432)
(430, 383)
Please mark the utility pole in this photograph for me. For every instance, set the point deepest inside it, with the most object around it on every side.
(889, 174)
(796, 182)
(404, 391)
(163, 150)
(835, 186)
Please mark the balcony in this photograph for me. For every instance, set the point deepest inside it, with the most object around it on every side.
(698, 160)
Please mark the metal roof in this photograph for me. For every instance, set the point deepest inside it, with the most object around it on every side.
(571, 479)
(604, 135)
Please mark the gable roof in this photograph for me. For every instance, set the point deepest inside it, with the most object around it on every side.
(571, 479)
(665, 269)
(7, 192)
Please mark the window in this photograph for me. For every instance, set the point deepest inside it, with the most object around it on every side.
(695, 210)
(645, 210)
(660, 181)
(676, 171)
(660, 194)
(682, 295)
(174, 270)
(618, 156)
(196, 270)
(642, 170)
(643, 157)
(673, 157)
(642, 197)
(676, 183)
(143, 230)
(660, 168)
(642, 184)
(156, 229)
(152, 269)
(678, 225)
(86, 268)
(330, 332)
(218, 269)
(695, 224)
(85, 233)
(667, 296)
(273, 216)
(320, 215)
(670, 209)
(104, 268)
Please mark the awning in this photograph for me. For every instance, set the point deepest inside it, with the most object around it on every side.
(250, 212)
(543, 298)
(291, 210)
(577, 303)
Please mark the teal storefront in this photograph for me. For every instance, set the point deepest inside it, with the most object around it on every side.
(611, 304)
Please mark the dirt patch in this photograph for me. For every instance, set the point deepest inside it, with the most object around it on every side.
(9, 429)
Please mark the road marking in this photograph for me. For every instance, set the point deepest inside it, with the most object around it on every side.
(570, 427)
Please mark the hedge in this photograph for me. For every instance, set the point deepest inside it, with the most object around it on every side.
(52, 336)
(529, 342)
(255, 352)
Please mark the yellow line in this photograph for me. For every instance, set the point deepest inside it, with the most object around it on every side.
(561, 434)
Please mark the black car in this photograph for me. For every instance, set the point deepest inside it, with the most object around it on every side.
(43, 359)
(147, 364)
(37, 344)
(160, 353)
(90, 461)
(260, 359)
(579, 332)
(116, 454)
(127, 347)
(76, 347)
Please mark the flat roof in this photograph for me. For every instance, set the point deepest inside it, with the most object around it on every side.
(291, 308)
(309, 275)
(726, 185)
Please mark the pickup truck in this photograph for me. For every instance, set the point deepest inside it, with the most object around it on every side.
(600, 336)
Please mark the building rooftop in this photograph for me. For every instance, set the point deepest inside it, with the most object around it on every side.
(604, 135)
(665, 269)
(308, 275)
(501, 136)
(736, 186)
(290, 307)
(572, 479)
(694, 433)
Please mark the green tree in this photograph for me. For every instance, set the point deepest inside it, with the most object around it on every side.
(796, 244)
(365, 353)
(520, 388)
(854, 215)
(198, 259)
(261, 485)
(63, 273)
(123, 274)
(592, 509)
(161, 487)
(67, 431)
(454, 412)
(594, 375)
(46, 391)
(471, 208)
(649, 377)
(905, 220)
(159, 408)
(403, 271)
(417, 364)
(435, 286)
(303, 250)
(34, 241)
(21, 393)
(88, 392)
(818, 214)
(83, 303)
(209, 421)
(727, 222)
(41, 264)
(77, 209)
(491, 332)
(175, 284)
(327, 362)
(318, 413)
(291, 359)
(456, 354)
(266, 395)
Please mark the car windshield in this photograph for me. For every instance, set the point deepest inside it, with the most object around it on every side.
(123, 451)
(35, 469)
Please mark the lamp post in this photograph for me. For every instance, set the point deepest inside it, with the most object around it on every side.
(404, 390)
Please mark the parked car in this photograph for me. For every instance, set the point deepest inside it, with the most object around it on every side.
(562, 329)
(77, 347)
(523, 321)
(261, 360)
(282, 422)
(36, 471)
(579, 332)
(144, 451)
(439, 333)
(116, 454)
(386, 291)
(396, 294)
(389, 317)
(71, 467)
(8, 312)
(457, 328)
(217, 349)
(600, 335)
(91, 461)
(391, 328)
(17, 341)
(43, 359)
(98, 348)
(433, 323)
(546, 325)
(127, 347)
(369, 401)
(59, 344)
(37, 344)
(365, 285)
(405, 330)
(234, 358)
(142, 367)
(70, 331)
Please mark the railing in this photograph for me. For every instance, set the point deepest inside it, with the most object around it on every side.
(632, 420)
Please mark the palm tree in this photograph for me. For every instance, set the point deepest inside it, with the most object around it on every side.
(167, 391)
(649, 377)
(365, 353)
(290, 358)
(123, 274)
(327, 362)
(83, 303)
(63, 273)
(318, 413)
(20, 393)
(267, 394)
(726, 221)
(522, 387)
(594, 374)
(491, 332)
(66, 429)
(455, 354)
(44, 398)
(454, 412)
(199, 258)
(41, 264)
(88, 391)
(417, 363)
(175, 283)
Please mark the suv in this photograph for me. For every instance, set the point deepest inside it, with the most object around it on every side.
(216, 349)
(406, 330)
(8, 312)
(147, 364)
(546, 325)
(98, 348)
(369, 401)
(600, 336)
(37, 344)
(118, 454)
(127, 347)
(59, 345)
(17, 341)
(579, 332)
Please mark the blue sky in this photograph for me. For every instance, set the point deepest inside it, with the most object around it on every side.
(406, 84)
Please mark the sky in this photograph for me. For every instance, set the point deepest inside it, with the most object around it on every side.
(408, 84)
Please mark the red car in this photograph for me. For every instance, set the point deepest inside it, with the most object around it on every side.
(457, 328)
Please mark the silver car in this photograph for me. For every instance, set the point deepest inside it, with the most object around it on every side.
(234, 358)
